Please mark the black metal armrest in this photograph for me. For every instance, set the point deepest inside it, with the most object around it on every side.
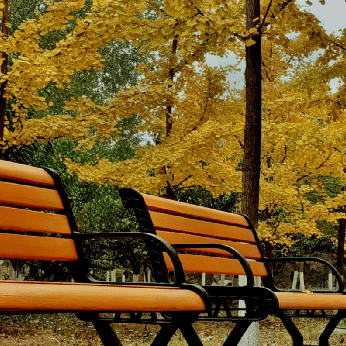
(309, 259)
(244, 263)
(164, 245)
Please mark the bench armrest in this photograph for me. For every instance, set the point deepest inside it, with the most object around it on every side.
(310, 259)
(244, 263)
(164, 246)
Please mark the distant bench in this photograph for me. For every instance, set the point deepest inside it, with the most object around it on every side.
(211, 241)
(37, 223)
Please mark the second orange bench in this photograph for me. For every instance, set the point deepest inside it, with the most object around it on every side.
(212, 241)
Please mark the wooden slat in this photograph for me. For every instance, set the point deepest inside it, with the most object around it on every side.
(71, 297)
(39, 248)
(311, 301)
(189, 210)
(216, 265)
(29, 196)
(247, 250)
(180, 224)
(23, 220)
(25, 174)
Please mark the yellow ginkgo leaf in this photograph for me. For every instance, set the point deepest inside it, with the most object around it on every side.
(250, 42)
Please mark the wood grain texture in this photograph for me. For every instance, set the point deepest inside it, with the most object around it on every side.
(310, 301)
(216, 265)
(12, 194)
(24, 220)
(198, 227)
(247, 250)
(189, 210)
(69, 297)
(39, 248)
(25, 174)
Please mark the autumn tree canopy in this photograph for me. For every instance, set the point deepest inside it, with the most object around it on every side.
(195, 120)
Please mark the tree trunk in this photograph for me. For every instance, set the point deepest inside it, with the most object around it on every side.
(341, 247)
(252, 138)
(169, 115)
(4, 68)
(169, 191)
(268, 252)
(267, 245)
(252, 131)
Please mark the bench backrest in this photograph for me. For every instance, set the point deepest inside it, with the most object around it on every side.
(183, 223)
(35, 219)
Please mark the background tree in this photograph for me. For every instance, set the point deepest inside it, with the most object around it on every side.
(253, 129)
(181, 101)
(96, 208)
(196, 123)
(59, 43)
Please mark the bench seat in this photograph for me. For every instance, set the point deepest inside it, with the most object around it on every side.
(31, 296)
(311, 301)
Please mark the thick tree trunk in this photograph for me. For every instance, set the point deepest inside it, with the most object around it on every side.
(4, 68)
(169, 191)
(252, 139)
(341, 248)
(268, 249)
(252, 131)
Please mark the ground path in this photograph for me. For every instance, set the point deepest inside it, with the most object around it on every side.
(67, 330)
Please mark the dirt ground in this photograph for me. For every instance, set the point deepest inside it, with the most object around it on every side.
(39, 340)
(67, 330)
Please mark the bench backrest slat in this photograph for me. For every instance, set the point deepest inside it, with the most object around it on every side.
(24, 220)
(25, 174)
(199, 227)
(32, 200)
(216, 265)
(39, 248)
(29, 197)
(248, 250)
(189, 210)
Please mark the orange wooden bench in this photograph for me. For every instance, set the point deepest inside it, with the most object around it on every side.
(36, 223)
(204, 239)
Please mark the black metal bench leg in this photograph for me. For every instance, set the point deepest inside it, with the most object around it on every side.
(106, 334)
(190, 335)
(237, 333)
(296, 336)
(164, 335)
(324, 337)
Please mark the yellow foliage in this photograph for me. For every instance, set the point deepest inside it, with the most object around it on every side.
(189, 105)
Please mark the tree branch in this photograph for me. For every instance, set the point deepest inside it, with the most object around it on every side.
(265, 16)
(321, 165)
(240, 143)
(284, 158)
(182, 182)
(198, 12)
(266, 72)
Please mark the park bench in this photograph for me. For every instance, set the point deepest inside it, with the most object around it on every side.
(203, 238)
(36, 223)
